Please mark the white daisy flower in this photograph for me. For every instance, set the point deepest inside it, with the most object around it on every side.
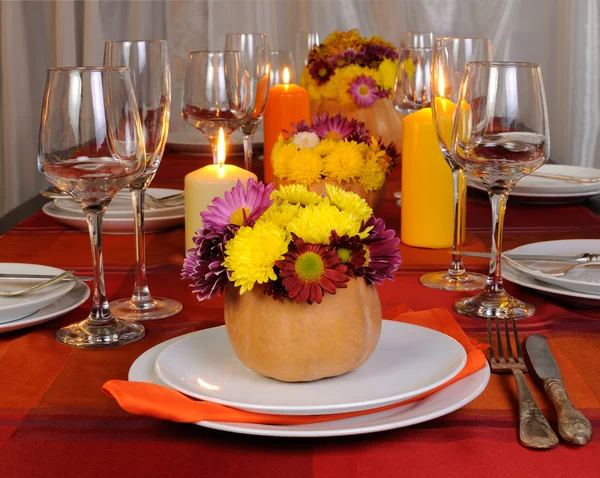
(306, 139)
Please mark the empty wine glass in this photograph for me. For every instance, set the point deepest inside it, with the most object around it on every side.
(305, 41)
(148, 63)
(416, 39)
(216, 94)
(500, 134)
(256, 55)
(91, 145)
(413, 75)
(450, 55)
(280, 60)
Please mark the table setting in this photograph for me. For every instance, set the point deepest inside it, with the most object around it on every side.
(323, 261)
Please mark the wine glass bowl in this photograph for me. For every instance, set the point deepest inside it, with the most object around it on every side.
(413, 75)
(91, 146)
(500, 134)
(280, 60)
(416, 39)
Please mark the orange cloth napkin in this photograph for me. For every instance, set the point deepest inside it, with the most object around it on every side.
(157, 401)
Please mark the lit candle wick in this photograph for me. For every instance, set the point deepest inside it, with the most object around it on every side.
(221, 153)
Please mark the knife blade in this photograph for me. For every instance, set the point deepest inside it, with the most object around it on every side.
(573, 426)
(581, 258)
(42, 277)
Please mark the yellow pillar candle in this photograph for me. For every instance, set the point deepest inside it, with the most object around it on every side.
(205, 184)
(427, 214)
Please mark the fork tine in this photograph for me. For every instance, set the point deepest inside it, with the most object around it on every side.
(490, 338)
(517, 342)
(499, 337)
(508, 345)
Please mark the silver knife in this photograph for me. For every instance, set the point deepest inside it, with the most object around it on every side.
(572, 425)
(42, 277)
(581, 258)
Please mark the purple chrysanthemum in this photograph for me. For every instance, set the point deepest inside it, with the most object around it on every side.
(335, 127)
(239, 207)
(364, 91)
(383, 255)
(203, 264)
(360, 133)
(374, 54)
(321, 70)
(348, 57)
(300, 127)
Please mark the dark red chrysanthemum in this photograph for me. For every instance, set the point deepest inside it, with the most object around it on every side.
(321, 70)
(382, 254)
(309, 269)
(350, 250)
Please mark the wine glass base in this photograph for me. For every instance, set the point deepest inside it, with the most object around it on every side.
(115, 333)
(497, 305)
(444, 281)
(160, 308)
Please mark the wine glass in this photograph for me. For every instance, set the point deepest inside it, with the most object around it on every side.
(500, 134)
(305, 41)
(280, 60)
(91, 145)
(450, 55)
(256, 55)
(416, 40)
(148, 63)
(216, 94)
(413, 75)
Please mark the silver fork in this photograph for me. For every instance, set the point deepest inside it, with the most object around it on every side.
(534, 429)
(41, 285)
(554, 272)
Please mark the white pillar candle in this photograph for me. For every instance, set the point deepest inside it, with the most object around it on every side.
(205, 184)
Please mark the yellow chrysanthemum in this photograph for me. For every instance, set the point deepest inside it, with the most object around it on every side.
(387, 73)
(314, 223)
(305, 167)
(282, 156)
(372, 176)
(349, 202)
(342, 40)
(345, 162)
(279, 214)
(325, 147)
(251, 254)
(295, 194)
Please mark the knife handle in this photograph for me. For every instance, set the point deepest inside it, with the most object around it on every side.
(572, 425)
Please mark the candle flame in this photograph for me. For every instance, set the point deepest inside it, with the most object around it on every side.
(286, 75)
(221, 152)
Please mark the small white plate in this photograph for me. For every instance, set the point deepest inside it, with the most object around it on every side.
(73, 299)
(121, 206)
(584, 280)
(194, 141)
(12, 308)
(408, 361)
(544, 188)
(441, 403)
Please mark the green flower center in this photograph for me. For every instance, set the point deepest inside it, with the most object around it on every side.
(344, 254)
(237, 217)
(363, 90)
(309, 267)
(322, 72)
(333, 135)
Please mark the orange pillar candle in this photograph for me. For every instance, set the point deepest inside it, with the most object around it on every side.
(286, 104)
(427, 213)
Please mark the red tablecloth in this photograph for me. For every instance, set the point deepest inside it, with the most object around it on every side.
(55, 421)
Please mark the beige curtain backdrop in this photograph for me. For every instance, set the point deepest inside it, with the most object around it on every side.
(563, 36)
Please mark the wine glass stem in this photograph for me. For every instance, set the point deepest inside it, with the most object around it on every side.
(247, 151)
(457, 268)
(100, 314)
(494, 281)
(141, 297)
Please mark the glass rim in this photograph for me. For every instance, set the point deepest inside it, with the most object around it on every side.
(436, 39)
(416, 48)
(136, 41)
(88, 68)
(504, 64)
(213, 52)
(244, 33)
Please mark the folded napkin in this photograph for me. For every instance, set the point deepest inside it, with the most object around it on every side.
(157, 401)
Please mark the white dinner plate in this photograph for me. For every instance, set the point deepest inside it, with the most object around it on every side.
(584, 280)
(436, 405)
(121, 206)
(193, 141)
(159, 220)
(12, 308)
(548, 189)
(409, 360)
(73, 299)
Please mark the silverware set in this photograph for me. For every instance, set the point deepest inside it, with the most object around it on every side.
(149, 200)
(50, 280)
(534, 429)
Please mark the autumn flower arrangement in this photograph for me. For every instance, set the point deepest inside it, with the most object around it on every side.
(297, 245)
(333, 148)
(351, 69)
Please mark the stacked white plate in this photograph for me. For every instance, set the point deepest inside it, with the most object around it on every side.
(118, 218)
(39, 306)
(579, 285)
(408, 361)
(539, 189)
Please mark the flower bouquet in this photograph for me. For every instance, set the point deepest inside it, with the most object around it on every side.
(355, 76)
(338, 151)
(297, 269)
